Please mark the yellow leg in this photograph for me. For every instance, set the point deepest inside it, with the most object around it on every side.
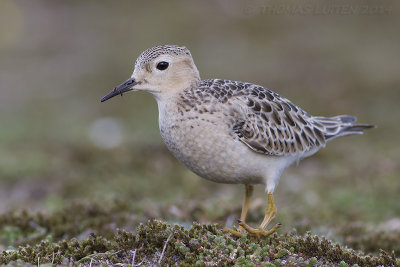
(270, 213)
(245, 207)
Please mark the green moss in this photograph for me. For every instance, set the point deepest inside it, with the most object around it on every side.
(281, 253)
(197, 246)
(313, 261)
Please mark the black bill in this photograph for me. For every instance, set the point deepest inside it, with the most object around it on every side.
(120, 89)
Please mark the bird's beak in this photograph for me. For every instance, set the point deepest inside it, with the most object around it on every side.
(120, 89)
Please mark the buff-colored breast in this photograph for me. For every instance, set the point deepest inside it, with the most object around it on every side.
(204, 144)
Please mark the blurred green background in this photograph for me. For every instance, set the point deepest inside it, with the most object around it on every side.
(59, 144)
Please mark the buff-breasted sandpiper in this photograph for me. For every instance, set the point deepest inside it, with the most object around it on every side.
(229, 131)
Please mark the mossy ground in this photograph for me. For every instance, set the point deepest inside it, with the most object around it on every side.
(83, 234)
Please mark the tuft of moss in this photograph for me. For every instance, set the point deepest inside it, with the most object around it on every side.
(157, 242)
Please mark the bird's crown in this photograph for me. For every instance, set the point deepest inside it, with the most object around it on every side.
(152, 53)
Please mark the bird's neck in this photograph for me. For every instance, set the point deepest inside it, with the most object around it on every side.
(171, 94)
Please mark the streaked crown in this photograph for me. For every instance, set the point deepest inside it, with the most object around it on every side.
(156, 51)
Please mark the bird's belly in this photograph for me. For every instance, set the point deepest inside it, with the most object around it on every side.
(209, 151)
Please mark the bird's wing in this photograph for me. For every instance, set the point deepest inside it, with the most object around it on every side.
(267, 122)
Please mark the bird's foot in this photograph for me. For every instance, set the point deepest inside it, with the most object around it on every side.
(255, 232)
(233, 232)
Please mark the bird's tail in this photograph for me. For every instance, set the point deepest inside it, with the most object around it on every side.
(340, 126)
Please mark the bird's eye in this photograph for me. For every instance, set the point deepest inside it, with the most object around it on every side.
(162, 65)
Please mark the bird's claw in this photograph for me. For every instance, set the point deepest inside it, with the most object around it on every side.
(255, 232)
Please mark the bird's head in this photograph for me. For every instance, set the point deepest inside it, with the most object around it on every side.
(160, 70)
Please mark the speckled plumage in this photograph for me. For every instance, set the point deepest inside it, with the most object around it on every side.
(207, 120)
(229, 131)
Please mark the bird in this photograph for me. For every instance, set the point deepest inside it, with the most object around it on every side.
(228, 131)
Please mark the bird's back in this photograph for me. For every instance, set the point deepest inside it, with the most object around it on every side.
(265, 121)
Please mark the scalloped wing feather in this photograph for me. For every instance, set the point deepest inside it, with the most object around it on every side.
(269, 123)
(265, 121)
(273, 125)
